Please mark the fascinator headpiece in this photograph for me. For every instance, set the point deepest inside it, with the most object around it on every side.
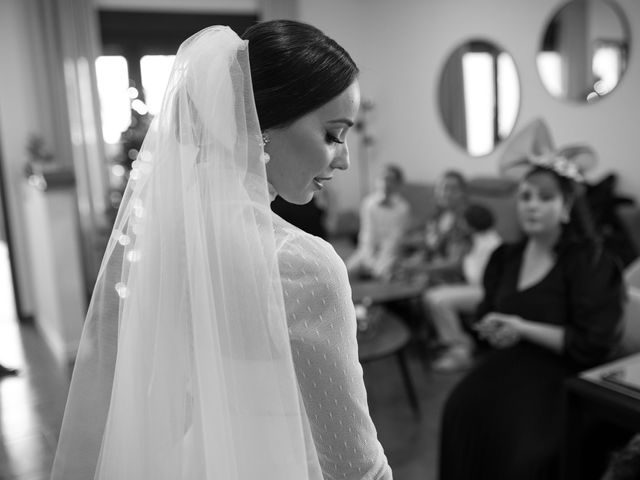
(533, 147)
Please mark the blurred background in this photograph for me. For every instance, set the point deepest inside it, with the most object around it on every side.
(444, 82)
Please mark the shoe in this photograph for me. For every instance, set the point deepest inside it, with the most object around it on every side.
(454, 359)
(7, 372)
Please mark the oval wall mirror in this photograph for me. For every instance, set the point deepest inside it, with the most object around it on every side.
(584, 50)
(479, 96)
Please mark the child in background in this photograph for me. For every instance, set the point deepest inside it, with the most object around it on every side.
(446, 302)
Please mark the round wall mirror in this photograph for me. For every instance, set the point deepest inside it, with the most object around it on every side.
(584, 50)
(479, 96)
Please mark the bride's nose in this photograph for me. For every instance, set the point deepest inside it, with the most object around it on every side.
(341, 160)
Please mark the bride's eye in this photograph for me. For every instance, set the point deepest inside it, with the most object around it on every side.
(332, 139)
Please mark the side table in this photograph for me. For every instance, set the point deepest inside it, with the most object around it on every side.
(389, 337)
(377, 292)
(599, 416)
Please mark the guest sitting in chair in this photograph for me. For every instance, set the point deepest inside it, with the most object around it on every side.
(439, 249)
(552, 306)
(447, 301)
(384, 218)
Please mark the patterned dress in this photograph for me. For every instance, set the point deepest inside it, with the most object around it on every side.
(322, 329)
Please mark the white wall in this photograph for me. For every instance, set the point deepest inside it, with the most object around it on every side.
(401, 47)
(221, 6)
(20, 116)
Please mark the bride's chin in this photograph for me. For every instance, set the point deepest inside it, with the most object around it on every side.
(306, 198)
(299, 198)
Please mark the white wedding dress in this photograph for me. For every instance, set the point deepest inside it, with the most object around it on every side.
(220, 341)
(322, 329)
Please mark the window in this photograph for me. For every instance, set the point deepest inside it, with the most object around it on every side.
(139, 48)
(132, 74)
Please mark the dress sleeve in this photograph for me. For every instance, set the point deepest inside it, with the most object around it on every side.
(595, 290)
(491, 281)
(322, 329)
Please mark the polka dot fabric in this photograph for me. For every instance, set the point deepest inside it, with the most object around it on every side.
(322, 329)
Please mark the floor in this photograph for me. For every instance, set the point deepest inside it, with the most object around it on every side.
(32, 404)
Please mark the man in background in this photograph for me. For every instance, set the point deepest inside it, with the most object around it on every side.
(384, 219)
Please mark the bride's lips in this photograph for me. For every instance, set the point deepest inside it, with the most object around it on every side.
(318, 181)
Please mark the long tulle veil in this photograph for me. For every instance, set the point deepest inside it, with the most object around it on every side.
(184, 370)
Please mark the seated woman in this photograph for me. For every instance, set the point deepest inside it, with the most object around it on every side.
(447, 301)
(552, 306)
(447, 236)
(440, 248)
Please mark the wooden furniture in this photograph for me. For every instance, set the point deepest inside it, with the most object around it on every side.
(404, 298)
(599, 416)
(388, 336)
(57, 276)
(377, 291)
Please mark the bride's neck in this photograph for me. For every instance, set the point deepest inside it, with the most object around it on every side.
(272, 192)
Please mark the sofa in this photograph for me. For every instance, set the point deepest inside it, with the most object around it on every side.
(494, 193)
(617, 217)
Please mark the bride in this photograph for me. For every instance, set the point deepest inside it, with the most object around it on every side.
(220, 340)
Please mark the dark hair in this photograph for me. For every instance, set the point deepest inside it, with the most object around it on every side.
(457, 176)
(568, 188)
(580, 226)
(295, 69)
(396, 171)
(479, 218)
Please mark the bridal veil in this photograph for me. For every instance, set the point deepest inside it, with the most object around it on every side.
(184, 370)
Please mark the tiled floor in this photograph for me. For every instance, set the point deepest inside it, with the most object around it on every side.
(410, 443)
(31, 404)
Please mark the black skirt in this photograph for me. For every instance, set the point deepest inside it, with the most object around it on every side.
(504, 420)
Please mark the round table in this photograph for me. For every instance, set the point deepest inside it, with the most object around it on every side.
(378, 291)
(388, 336)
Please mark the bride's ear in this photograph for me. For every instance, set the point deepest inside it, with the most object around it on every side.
(265, 141)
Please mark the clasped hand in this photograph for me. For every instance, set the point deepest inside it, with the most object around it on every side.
(500, 330)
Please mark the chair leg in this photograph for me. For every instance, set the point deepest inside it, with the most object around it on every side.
(423, 333)
(408, 383)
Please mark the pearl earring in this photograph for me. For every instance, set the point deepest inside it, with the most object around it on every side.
(265, 140)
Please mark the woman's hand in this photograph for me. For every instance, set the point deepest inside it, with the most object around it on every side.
(501, 330)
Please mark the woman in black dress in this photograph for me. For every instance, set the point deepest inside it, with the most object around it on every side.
(552, 307)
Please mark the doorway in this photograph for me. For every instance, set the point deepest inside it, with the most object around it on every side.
(138, 49)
